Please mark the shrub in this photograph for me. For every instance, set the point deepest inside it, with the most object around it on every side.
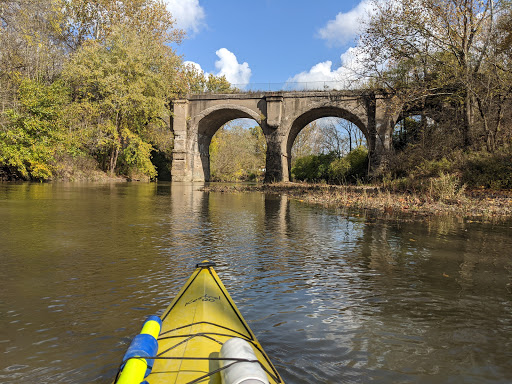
(330, 168)
(446, 187)
(358, 159)
(434, 168)
(338, 170)
(313, 167)
(489, 170)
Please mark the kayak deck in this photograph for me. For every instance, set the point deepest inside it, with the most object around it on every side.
(196, 324)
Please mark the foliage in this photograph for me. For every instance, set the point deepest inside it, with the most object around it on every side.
(307, 142)
(358, 160)
(88, 84)
(237, 153)
(137, 155)
(33, 134)
(313, 168)
(123, 85)
(447, 177)
(116, 59)
(192, 80)
(444, 52)
(338, 170)
(407, 131)
(446, 188)
(485, 170)
(327, 135)
(433, 168)
(99, 19)
(31, 45)
(330, 168)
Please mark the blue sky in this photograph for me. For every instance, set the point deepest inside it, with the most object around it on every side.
(270, 41)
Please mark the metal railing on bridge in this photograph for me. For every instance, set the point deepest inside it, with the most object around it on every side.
(289, 86)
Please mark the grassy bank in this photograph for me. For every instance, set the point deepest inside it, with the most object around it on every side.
(481, 205)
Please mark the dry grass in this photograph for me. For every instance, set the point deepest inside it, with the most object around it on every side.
(442, 199)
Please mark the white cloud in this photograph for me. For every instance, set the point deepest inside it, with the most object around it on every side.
(189, 15)
(228, 66)
(323, 76)
(346, 26)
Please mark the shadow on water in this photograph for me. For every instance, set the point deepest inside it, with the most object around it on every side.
(332, 297)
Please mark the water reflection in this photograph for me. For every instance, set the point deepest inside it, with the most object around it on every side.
(333, 298)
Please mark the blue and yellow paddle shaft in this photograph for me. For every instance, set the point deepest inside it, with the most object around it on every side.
(136, 364)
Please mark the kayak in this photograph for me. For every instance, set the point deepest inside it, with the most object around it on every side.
(200, 338)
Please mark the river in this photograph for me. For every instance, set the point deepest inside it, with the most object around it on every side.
(333, 297)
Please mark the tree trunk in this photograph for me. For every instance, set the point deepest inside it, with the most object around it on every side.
(113, 160)
(468, 120)
(114, 156)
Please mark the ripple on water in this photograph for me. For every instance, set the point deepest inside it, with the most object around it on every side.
(331, 298)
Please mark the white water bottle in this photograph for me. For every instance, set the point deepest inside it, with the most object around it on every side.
(241, 372)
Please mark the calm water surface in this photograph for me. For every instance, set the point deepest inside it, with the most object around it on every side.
(333, 298)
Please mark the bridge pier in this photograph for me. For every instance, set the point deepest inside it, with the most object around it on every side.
(276, 161)
(384, 118)
(181, 161)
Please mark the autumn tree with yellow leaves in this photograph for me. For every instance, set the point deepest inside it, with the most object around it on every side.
(117, 71)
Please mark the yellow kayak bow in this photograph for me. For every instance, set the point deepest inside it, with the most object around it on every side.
(203, 339)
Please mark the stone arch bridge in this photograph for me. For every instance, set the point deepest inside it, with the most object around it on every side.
(281, 116)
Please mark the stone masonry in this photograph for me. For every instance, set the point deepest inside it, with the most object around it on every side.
(281, 115)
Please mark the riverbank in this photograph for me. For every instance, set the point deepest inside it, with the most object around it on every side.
(478, 205)
(88, 174)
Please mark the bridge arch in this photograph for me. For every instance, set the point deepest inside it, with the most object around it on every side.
(281, 116)
(430, 113)
(301, 121)
(431, 117)
(206, 124)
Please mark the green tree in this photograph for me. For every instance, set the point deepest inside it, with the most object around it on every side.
(33, 135)
(327, 135)
(97, 20)
(219, 84)
(123, 82)
(117, 59)
(191, 80)
(338, 170)
(332, 168)
(237, 153)
(313, 168)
